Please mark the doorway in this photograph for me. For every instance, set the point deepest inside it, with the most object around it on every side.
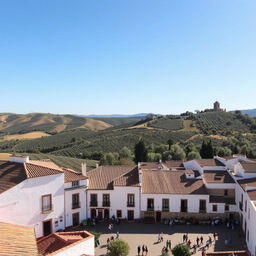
(158, 216)
(93, 213)
(130, 215)
(106, 213)
(100, 214)
(47, 227)
(76, 219)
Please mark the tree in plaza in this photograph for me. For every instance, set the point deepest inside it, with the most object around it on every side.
(140, 152)
(118, 248)
(181, 250)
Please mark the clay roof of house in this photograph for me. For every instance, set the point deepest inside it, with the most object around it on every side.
(170, 182)
(104, 176)
(17, 240)
(71, 175)
(252, 194)
(217, 177)
(228, 253)
(12, 173)
(131, 178)
(244, 182)
(222, 199)
(161, 165)
(209, 162)
(60, 241)
(249, 166)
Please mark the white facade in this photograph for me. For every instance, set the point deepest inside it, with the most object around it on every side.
(22, 204)
(118, 201)
(69, 206)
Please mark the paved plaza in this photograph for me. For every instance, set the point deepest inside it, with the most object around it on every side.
(138, 234)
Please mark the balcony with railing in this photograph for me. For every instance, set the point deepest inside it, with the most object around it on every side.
(47, 208)
(130, 204)
(94, 203)
(150, 208)
(165, 209)
(76, 205)
(105, 203)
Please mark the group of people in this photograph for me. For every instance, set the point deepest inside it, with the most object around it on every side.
(167, 247)
(143, 250)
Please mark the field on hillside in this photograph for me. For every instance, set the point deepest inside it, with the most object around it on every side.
(167, 123)
(50, 123)
(25, 136)
(62, 161)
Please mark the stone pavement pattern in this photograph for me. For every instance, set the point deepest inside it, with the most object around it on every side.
(138, 234)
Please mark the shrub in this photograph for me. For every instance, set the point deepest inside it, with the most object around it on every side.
(181, 250)
(118, 248)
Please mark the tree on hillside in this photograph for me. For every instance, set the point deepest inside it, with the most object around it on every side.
(125, 153)
(206, 150)
(109, 158)
(193, 155)
(181, 250)
(118, 248)
(154, 157)
(170, 143)
(140, 152)
(161, 148)
(177, 152)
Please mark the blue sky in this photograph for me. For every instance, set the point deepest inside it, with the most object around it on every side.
(105, 57)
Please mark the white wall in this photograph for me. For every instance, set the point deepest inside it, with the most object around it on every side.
(22, 204)
(85, 247)
(174, 202)
(118, 200)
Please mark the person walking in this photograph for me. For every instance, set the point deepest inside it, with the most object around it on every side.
(143, 249)
(167, 243)
(197, 241)
(159, 238)
(214, 236)
(202, 240)
(170, 244)
(138, 250)
(146, 250)
(184, 238)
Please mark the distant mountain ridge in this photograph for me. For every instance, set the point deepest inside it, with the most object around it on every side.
(249, 112)
(140, 115)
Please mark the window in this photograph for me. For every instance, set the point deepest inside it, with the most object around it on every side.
(226, 207)
(165, 205)
(94, 200)
(183, 205)
(150, 204)
(75, 183)
(106, 200)
(202, 206)
(225, 192)
(119, 213)
(215, 208)
(46, 203)
(75, 201)
(130, 200)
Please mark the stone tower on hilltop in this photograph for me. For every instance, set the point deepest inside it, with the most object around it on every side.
(216, 106)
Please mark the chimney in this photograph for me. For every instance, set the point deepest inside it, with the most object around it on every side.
(97, 165)
(83, 167)
(18, 159)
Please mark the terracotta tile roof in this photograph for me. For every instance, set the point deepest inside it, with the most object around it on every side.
(209, 162)
(228, 253)
(170, 182)
(244, 182)
(252, 195)
(131, 179)
(17, 240)
(71, 175)
(249, 166)
(223, 200)
(162, 165)
(104, 176)
(218, 177)
(11, 174)
(60, 241)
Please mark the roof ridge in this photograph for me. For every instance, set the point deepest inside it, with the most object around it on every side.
(123, 174)
(59, 170)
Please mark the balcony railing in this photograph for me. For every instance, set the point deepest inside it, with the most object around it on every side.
(94, 203)
(151, 208)
(47, 208)
(76, 205)
(165, 209)
(241, 206)
(184, 209)
(202, 210)
(130, 204)
(106, 203)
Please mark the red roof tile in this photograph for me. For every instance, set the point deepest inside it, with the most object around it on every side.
(71, 175)
(218, 177)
